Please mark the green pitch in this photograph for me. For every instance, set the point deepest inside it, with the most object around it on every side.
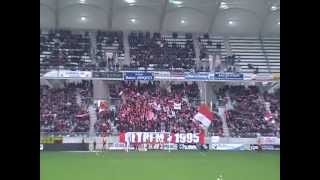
(160, 165)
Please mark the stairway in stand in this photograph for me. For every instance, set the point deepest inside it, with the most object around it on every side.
(93, 120)
(225, 128)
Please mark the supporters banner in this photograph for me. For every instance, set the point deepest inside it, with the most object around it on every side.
(177, 106)
(161, 137)
(108, 75)
(197, 76)
(138, 76)
(228, 76)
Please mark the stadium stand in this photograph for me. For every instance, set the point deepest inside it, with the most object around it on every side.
(156, 51)
(147, 107)
(247, 118)
(61, 113)
(250, 50)
(65, 49)
(271, 48)
(109, 42)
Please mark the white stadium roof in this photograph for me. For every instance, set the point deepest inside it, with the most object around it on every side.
(221, 17)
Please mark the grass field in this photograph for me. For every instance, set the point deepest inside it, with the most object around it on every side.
(160, 165)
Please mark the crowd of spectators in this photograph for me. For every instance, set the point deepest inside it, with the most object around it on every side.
(248, 116)
(104, 121)
(148, 107)
(215, 128)
(274, 100)
(157, 51)
(65, 49)
(109, 49)
(213, 47)
(60, 112)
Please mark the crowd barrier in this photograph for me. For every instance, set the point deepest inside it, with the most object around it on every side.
(161, 141)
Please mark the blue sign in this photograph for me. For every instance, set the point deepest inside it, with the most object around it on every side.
(228, 76)
(138, 76)
(197, 76)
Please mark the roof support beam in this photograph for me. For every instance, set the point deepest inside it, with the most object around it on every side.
(163, 14)
(214, 15)
(56, 14)
(110, 14)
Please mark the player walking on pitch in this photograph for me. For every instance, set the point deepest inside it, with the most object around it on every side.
(104, 142)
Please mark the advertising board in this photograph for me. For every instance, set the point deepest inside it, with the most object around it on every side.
(276, 76)
(228, 76)
(161, 75)
(230, 147)
(197, 76)
(263, 77)
(138, 76)
(269, 140)
(215, 139)
(177, 75)
(68, 74)
(108, 75)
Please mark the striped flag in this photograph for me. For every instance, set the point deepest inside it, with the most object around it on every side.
(204, 116)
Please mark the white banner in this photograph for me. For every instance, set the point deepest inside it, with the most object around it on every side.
(269, 140)
(225, 147)
(177, 106)
(41, 147)
(248, 76)
(68, 74)
(161, 75)
(263, 77)
(119, 146)
(215, 139)
(72, 139)
(161, 137)
(75, 74)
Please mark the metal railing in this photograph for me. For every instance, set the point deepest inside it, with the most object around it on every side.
(71, 134)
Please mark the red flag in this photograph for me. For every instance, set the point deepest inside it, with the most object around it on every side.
(201, 137)
(122, 137)
(103, 106)
(82, 115)
(173, 137)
